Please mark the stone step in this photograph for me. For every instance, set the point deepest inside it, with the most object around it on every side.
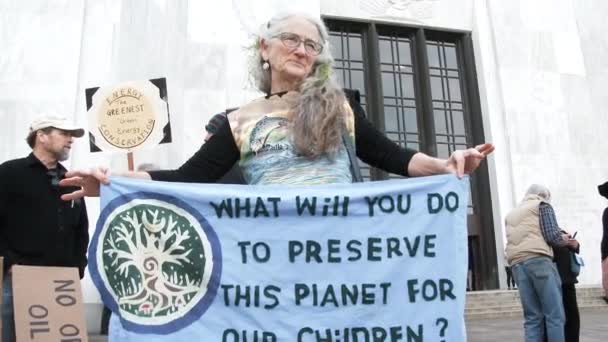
(515, 296)
(486, 303)
(516, 303)
(491, 315)
(506, 303)
(499, 307)
(519, 313)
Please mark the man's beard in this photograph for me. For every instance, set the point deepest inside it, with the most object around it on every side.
(63, 155)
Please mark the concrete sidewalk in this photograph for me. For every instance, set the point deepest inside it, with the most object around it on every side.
(594, 328)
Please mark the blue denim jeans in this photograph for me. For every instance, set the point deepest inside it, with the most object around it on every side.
(8, 319)
(541, 298)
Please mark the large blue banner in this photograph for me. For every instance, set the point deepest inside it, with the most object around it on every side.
(377, 261)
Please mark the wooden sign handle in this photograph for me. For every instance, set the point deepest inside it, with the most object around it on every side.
(130, 161)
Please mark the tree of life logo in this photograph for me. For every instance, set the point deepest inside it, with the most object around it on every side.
(156, 261)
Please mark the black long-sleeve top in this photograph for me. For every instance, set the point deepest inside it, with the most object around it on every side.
(36, 226)
(604, 246)
(220, 152)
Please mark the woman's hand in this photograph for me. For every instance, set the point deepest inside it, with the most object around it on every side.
(459, 163)
(87, 180)
(466, 161)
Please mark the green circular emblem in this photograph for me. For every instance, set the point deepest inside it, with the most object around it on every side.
(155, 259)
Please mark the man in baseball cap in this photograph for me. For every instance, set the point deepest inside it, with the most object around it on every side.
(58, 122)
(51, 138)
(31, 206)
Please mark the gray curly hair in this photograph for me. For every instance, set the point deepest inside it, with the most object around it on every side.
(318, 112)
(539, 190)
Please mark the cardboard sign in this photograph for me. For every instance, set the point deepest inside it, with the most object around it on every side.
(128, 116)
(48, 304)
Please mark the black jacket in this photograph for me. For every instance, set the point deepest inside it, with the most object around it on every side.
(36, 226)
(561, 256)
(604, 246)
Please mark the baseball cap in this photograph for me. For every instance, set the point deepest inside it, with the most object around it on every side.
(58, 122)
(216, 122)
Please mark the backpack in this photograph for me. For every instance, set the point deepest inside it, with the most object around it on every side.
(576, 262)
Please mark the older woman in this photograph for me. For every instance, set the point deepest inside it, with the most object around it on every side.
(297, 133)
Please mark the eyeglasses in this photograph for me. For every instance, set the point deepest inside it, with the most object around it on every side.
(292, 41)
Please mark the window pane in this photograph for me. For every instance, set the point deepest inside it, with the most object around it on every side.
(411, 121)
(340, 77)
(455, 89)
(409, 103)
(435, 72)
(354, 47)
(450, 57)
(386, 54)
(357, 81)
(391, 101)
(443, 151)
(433, 55)
(405, 53)
(386, 67)
(335, 46)
(390, 118)
(460, 142)
(388, 84)
(458, 123)
(355, 65)
(399, 95)
(407, 86)
(405, 68)
(437, 88)
(440, 122)
(438, 104)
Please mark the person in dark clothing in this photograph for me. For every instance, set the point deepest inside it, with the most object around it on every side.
(603, 190)
(561, 256)
(36, 226)
(510, 278)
